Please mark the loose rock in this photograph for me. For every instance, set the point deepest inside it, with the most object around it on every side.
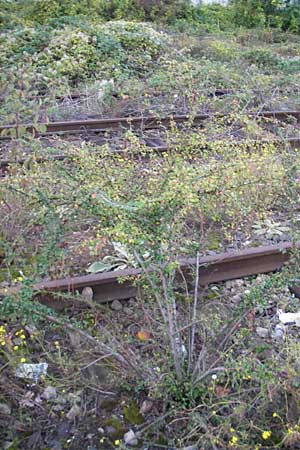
(234, 284)
(49, 393)
(262, 332)
(146, 407)
(279, 332)
(236, 298)
(5, 409)
(130, 438)
(87, 293)
(73, 413)
(116, 305)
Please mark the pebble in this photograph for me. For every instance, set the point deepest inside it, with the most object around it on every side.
(116, 305)
(87, 293)
(279, 332)
(262, 332)
(146, 407)
(132, 301)
(73, 413)
(130, 438)
(49, 393)
(236, 298)
(234, 284)
(5, 409)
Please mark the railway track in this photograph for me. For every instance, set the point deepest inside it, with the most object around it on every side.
(140, 122)
(212, 269)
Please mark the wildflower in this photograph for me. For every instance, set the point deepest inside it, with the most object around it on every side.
(23, 360)
(266, 434)
(2, 343)
(16, 347)
(233, 440)
(117, 442)
(232, 430)
(214, 376)
(214, 413)
(275, 414)
(20, 278)
(23, 336)
(290, 431)
(56, 343)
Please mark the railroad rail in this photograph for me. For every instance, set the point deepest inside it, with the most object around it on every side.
(119, 284)
(147, 122)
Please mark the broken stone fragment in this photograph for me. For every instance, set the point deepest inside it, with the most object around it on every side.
(130, 438)
(5, 409)
(49, 393)
(146, 407)
(87, 293)
(262, 332)
(116, 305)
(73, 413)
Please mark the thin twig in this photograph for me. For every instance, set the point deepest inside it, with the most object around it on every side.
(193, 330)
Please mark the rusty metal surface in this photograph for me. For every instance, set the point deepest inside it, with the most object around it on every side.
(213, 269)
(147, 122)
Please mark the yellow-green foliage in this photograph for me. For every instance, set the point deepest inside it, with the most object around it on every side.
(77, 53)
(146, 206)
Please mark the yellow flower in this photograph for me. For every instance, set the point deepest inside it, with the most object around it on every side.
(275, 414)
(266, 434)
(56, 343)
(23, 360)
(3, 343)
(233, 441)
(214, 413)
(117, 442)
(23, 336)
(16, 347)
(232, 430)
(20, 278)
(290, 431)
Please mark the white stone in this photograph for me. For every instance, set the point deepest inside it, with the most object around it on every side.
(130, 438)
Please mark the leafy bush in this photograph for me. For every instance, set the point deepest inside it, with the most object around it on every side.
(80, 52)
(262, 57)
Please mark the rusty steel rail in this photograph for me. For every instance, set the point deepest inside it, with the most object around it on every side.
(212, 269)
(147, 122)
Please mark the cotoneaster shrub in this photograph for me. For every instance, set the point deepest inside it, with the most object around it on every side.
(75, 53)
